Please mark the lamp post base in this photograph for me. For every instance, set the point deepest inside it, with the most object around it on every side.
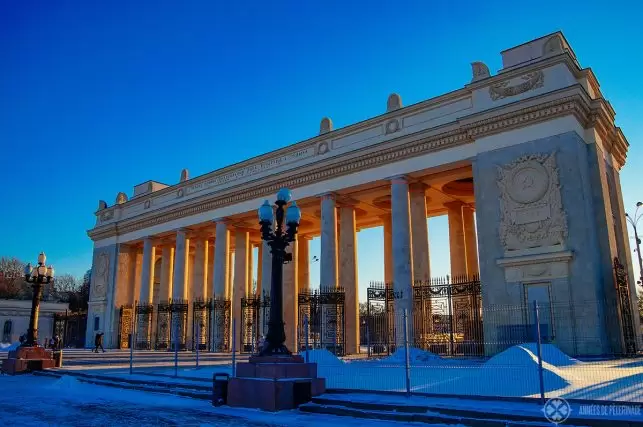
(274, 383)
(27, 359)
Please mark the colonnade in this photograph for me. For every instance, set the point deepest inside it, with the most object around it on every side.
(200, 264)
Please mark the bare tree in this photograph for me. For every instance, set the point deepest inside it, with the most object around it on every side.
(12, 283)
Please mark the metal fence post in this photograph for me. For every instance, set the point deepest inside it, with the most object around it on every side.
(132, 341)
(198, 343)
(368, 338)
(176, 349)
(407, 362)
(234, 347)
(541, 379)
(306, 336)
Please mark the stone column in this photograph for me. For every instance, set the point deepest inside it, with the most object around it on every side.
(289, 292)
(181, 254)
(470, 240)
(303, 261)
(241, 248)
(266, 268)
(167, 272)
(328, 257)
(199, 286)
(228, 289)
(251, 260)
(147, 293)
(209, 292)
(179, 287)
(420, 233)
(388, 249)
(220, 272)
(147, 272)
(348, 276)
(138, 268)
(402, 259)
(259, 269)
(457, 247)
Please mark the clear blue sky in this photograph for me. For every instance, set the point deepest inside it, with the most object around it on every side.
(97, 98)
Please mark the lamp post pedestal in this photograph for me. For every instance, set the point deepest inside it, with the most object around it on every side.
(30, 356)
(275, 379)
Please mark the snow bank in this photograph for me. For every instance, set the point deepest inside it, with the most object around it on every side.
(66, 382)
(416, 355)
(322, 357)
(526, 355)
(9, 347)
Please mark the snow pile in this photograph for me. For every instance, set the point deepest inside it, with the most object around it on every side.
(526, 355)
(322, 357)
(416, 356)
(9, 347)
(66, 382)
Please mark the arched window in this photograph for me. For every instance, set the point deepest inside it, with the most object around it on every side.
(6, 331)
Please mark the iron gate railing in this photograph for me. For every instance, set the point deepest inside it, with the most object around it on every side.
(446, 316)
(144, 313)
(126, 320)
(221, 315)
(255, 313)
(324, 309)
(179, 323)
(201, 312)
(625, 308)
(163, 323)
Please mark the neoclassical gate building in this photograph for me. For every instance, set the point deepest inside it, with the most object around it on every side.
(531, 152)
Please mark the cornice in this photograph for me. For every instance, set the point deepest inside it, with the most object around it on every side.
(395, 150)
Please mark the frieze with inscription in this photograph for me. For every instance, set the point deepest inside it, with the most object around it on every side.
(531, 211)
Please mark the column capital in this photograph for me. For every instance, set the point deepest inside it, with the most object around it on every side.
(418, 187)
(399, 179)
(347, 202)
(328, 196)
(455, 204)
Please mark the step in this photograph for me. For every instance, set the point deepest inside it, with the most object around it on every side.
(189, 386)
(427, 417)
(149, 387)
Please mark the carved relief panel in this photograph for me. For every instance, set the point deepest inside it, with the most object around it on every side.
(100, 276)
(531, 211)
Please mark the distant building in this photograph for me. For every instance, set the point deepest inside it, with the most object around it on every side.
(14, 319)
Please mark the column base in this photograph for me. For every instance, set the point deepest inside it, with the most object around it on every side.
(27, 359)
(274, 383)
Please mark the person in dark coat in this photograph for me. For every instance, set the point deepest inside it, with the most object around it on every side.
(56, 343)
(98, 342)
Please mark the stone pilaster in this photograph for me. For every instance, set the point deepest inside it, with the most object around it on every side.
(289, 293)
(251, 260)
(420, 233)
(259, 269)
(228, 289)
(388, 248)
(241, 249)
(402, 259)
(470, 240)
(303, 260)
(220, 272)
(209, 291)
(348, 276)
(328, 257)
(457, 247)
(138, 276)
(167, 272)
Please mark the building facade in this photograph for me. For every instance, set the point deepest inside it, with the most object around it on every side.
(531, 155)
(15, 315)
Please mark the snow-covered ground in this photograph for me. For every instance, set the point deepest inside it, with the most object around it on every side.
(36, 401)
(512, 373)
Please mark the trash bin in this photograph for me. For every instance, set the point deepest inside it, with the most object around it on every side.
(58, 358)
(220, 389)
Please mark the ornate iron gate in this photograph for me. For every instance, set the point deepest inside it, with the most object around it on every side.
(446, 317)
(255, 311)
(201, 311)
(326, 323)
(143, 316)
(163, 322)
(60, 327)
(625, 307)
(221, 313)
(70, 328)
(179, 322)
(126, 320)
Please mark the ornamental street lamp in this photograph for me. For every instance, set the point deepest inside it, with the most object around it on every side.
(278, 240)
(634, 221)
(37, 276)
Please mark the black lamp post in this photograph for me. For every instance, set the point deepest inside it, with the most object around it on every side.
(37, 276)
(633, 221)
(278, 240)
